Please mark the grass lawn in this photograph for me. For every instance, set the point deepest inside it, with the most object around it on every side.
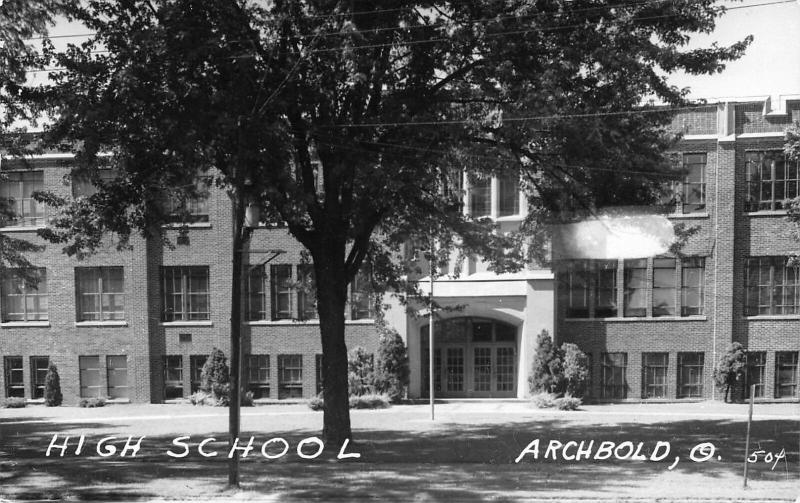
(467, 453)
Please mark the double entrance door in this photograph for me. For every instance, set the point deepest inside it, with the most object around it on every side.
(472, 358)
(479, 371)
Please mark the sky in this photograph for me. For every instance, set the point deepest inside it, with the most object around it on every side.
(771, 65)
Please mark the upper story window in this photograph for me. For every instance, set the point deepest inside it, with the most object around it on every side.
(361, 296)
(17, 189)
(182, 208)
(100, 293)
(23, 300)
(508, 195)
(185, 291)
(771, 287)
(771, 179)
(83, 186)
(306, 292)
(281, 290)
(590, 288)
(693, 188)
(480, 197)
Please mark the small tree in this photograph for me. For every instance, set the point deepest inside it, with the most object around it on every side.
(52, 387)
(730, 368)
(391, 370)
(215, 376)
(575, 370)
(548, 364)
(360, 371)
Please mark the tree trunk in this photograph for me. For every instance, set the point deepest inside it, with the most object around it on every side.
(331, 283)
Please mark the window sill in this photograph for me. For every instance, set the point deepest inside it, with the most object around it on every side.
(115, 323)
(187, 323)
(640, 318)
(315, 321)
(699, 214)
(510, 218)
(788, 317)
(24, 324)
(196, 225)
(29, 228)
(767, 213)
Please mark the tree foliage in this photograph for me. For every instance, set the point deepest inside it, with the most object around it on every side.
(548, 365)
(52, 387)
(391, 369)
(360, 372)
(730, 368)
(346, 120)
(215, 376)
(575, 370)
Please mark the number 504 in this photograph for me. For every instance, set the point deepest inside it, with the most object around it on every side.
(769, 457)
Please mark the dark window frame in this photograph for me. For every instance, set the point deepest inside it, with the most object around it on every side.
(102, 279)
(290, 376)
(691, 389)
(257, 374)
(118, 391)
(652, 370)
(85, 371)
(38, 375)
(763, 277)
(39, 294)
(14, 376)
(793, 381)
(759, 162)
(613, 382)
(17, 189)
(183, 297)
(280, 279)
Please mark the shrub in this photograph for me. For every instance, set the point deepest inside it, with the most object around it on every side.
(543, 400)
(215, 376)
(91, 403)
(575, 370)
(316, 403)
(369, 401)
(547, 374)
(15, 402)
(52, 387)
(391, 370)
(568, 403)
(246, 399)
(730, 368)
(360, 372)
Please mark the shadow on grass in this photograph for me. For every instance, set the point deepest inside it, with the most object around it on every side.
(452, 461)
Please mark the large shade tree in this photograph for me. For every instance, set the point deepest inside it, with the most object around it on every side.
(348, 119)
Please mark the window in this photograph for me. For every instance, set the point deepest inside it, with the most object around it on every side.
(101, 294)
(306, 292)
(320, 374)
(480, 197)
(509, 196)
(84, 186)
(117, 372)
(196, 364)
(771, 179)
(756, 371)
(173, 376)
(360, 297)
(39, 366)
(772, 287)
(605, 299)
(635, 287)
(692, 286)
(258, 375)
(614, 375)
(690, 375)
(786, 374)
(90, 376)
(185, 293)
(15, 383)
(664, 287)
(281, 281)
(18, 188)
(577, 289)
(24, 299)
(693, 191)
(290, 376)
(184, 208)
(256, 306)
(654, 378)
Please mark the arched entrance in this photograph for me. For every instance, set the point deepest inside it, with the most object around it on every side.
(472, 358)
